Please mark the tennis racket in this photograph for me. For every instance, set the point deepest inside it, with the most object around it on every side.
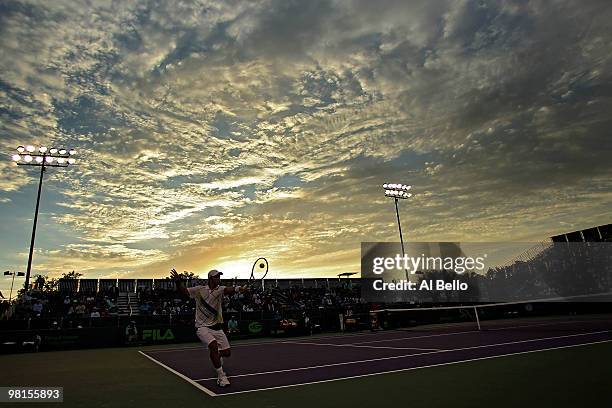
(258, 273)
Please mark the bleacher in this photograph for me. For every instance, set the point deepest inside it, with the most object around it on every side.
(133, 285)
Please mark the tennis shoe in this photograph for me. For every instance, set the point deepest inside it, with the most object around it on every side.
(222, 381)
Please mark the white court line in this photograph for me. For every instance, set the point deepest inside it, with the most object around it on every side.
(357, 345)
(409, 355)
(189, 380)
(461, 332)
(418, 337)
(317, 338)
(542, 324)
(342, 336)
(175, 349)
(413, 368)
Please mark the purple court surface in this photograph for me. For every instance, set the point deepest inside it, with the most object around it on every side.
(271, 364)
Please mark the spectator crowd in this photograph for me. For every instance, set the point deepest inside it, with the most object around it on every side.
(76, 309)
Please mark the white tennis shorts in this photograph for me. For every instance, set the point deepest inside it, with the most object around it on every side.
(207, 336)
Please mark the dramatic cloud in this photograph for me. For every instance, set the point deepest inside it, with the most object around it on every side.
(211, 133)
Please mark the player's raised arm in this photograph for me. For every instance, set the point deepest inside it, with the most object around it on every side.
(180, 286)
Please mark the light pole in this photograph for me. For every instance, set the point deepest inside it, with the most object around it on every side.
(397, 192)
(42, 157)
(9, 273)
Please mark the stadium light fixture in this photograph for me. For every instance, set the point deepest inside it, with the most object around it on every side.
(9, 273)
(398, 192)
(42, 157)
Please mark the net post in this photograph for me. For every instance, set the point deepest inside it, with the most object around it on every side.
(477, 318)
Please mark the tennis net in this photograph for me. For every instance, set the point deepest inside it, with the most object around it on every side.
(534, 315)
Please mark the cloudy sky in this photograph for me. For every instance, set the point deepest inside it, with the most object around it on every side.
(212, 133)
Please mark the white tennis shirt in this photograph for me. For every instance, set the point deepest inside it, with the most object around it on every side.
(208, 304)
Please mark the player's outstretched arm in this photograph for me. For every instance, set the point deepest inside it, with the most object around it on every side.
(180, 285)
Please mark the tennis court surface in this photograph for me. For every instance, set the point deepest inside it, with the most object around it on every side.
(266, 365)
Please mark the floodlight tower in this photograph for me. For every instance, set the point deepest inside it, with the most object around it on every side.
(9, 273)
(397, 192)
(43, 158)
